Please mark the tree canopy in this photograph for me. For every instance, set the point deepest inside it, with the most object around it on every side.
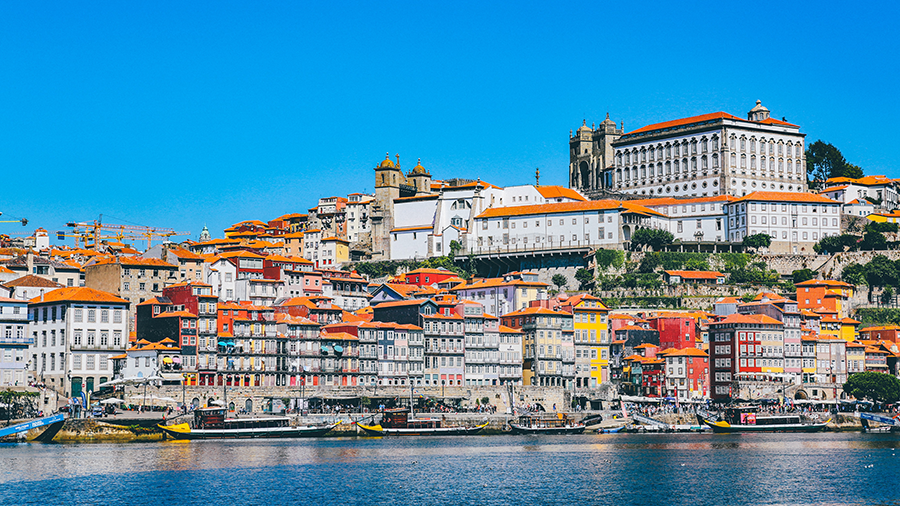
(559, 280)
(757, 241)
(585, 278)
(655, 238)
(824, 161)
(801, 275)
(877, 386)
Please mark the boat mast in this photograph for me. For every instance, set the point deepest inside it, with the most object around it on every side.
(410, 398)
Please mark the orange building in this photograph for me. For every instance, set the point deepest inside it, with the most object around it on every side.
(828, 294)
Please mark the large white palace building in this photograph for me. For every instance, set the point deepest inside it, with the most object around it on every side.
(708, 155)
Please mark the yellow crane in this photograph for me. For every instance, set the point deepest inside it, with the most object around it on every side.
(23, 221)
(91, 233)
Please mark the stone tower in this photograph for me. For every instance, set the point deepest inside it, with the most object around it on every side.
(420, 178)
(590, 153)
(388, 179)
(758, 113)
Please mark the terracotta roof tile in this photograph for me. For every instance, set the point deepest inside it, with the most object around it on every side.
(78, 294)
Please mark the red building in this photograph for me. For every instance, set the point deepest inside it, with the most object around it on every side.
(676, 330)
(687, 373)
(733, 345)
(427, 277)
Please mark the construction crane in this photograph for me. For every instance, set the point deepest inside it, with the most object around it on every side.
(23, 221)
(92, 232)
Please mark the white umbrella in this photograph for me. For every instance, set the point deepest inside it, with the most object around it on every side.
(217, 402)
(112, 401)
(111, 383)
(166, 399)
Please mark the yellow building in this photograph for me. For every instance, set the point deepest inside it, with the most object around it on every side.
(334, 252)
(591, 338)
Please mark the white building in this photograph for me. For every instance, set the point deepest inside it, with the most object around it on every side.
(425, 225)
(14, 342)
(510, 349)
(146, 360)
(877, 188)
(708, 155)
(75, 331)
(795, 221)
(592, 224)
(694, 219)
(513, 291)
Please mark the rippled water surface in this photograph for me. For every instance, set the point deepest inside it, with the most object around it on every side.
(848, 468)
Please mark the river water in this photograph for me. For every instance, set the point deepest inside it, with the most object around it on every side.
(808, 469)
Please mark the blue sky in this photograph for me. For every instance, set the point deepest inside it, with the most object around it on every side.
(178, 114)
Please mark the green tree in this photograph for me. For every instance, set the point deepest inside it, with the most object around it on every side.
(884, 227)
(877, 386)
(757, 241)
(801, 275)
(855, 274)
(887, 295)
(607, 258)
(824, 161)
(559, 280)
(873, 241)
(852, 171)
(880, 272)
(585, 278)
(837, 244)
(455, 246)
(655, 238)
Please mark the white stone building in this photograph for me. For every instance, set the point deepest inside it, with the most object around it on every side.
(14, 342)
(75, 331)
(711, 154)
(795, 221)
(694, 219)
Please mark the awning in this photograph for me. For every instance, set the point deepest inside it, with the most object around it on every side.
(324, 349)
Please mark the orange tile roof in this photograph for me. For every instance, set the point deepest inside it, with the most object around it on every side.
(479, 283)
(567, 207)
(754, 319)
(696, 274)
(509, 330)
(863, 181)
(411, 229)
(687, 352)
(78, 294)
(824, 282)
(555, 192)
(684, 121)
(728, 300)
(33, 281)
(138, 261)
(183, 253)
(808, 198)
(536, 311)
(171, 314)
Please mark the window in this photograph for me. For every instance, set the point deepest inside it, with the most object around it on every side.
(104, 316)
(92, 315)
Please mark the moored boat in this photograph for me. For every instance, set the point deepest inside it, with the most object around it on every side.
(745, 419)
(397, 422)
(210, 423)
(41, 430)
(545, 423)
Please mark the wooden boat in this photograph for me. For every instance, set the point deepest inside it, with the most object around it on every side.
(397, 422)
(210, 423)
(39, 430)
(546, 423)
(745, 419)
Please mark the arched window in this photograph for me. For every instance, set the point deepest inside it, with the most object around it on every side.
(715, 143)
(733, 160)
(694, 164)
(669, 168)
(684, 165)
(790, 166)
(703, 162)
(694, 147)
(743, 144)
(743, 161)
(643, 155)
(704, 145)
(762, 163)
(752, 162)
(715, 161)
(668, 150)
(675, 166)
(780, 163)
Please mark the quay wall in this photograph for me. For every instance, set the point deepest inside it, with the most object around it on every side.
(497, 396)
(88, 430)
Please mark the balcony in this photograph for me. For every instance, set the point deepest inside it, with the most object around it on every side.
(28, 341)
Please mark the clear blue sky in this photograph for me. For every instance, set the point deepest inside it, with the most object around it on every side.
(183, 114)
